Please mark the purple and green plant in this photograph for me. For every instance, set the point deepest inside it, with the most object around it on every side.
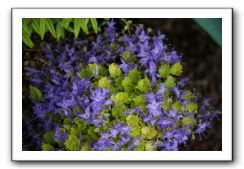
(124, 90)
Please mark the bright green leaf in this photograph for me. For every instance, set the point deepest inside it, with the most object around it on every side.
(94, 24)
(27, 41)
(50, 27)
(42, 27)
(77, 25)
(84, 26)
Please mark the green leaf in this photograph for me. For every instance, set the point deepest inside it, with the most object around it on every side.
(65, 22)
(59, 32)
(50, 27)
(36, 26)
(25, 27)
(167, 104)
(141, 146)
(170, 82)
(188, 95)
(94, 24)
(47, 147)
(42, 27)
(85, 146)
(177, 106)
(118, 110)
(104, 82)
(149, 132)
(126, 55)
(139, 100)
(150, 146)
(121, 97)
(144, 85)
(189, 121)
(192, 107)
(164, 70)
(27, 40)
(84, 26)
(72, 143)
(35, 93)
(132, 120)
(77, 25)
(176, 69)
(48, 137)
(102, 71)
(127, 84)
(135, 75)
(114, 70)
(135, 131)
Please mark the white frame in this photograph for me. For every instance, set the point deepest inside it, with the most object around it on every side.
(19, 155)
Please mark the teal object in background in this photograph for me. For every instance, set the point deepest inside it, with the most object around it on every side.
(213, 26)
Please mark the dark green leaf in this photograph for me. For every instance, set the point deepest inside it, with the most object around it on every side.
(35, 93)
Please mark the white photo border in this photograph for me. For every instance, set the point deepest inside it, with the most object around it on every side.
(19, 155)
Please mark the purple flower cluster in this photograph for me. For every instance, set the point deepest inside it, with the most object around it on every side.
(76, 102)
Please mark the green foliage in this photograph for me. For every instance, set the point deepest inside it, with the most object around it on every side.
(126, 55)
(135, 131)
(47, 147)
(43, 25)
(141, 146)
(118, 110)
(134, 75)
(176, 69)
(144, 85)
(84, 26)
(167, 104)
(35, 93)
(139, 100)
(85, 146)
(188, 95)
(72, 143)
(127, 84)
(114, 70)
(164, 70)
(104, 82)
(121, 97)
(48, 137)
(94, 25)
(102, 71)
(189, 121)
(192, 107)
(150, 147)
(77, 26)
(177, 106)
(170, 82)
(149, 132)
(88, 71)
(132, 120)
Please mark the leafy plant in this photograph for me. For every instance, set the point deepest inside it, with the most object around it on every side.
(56, 27)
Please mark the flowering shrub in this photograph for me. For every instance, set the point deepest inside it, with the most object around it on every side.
(121, 91)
